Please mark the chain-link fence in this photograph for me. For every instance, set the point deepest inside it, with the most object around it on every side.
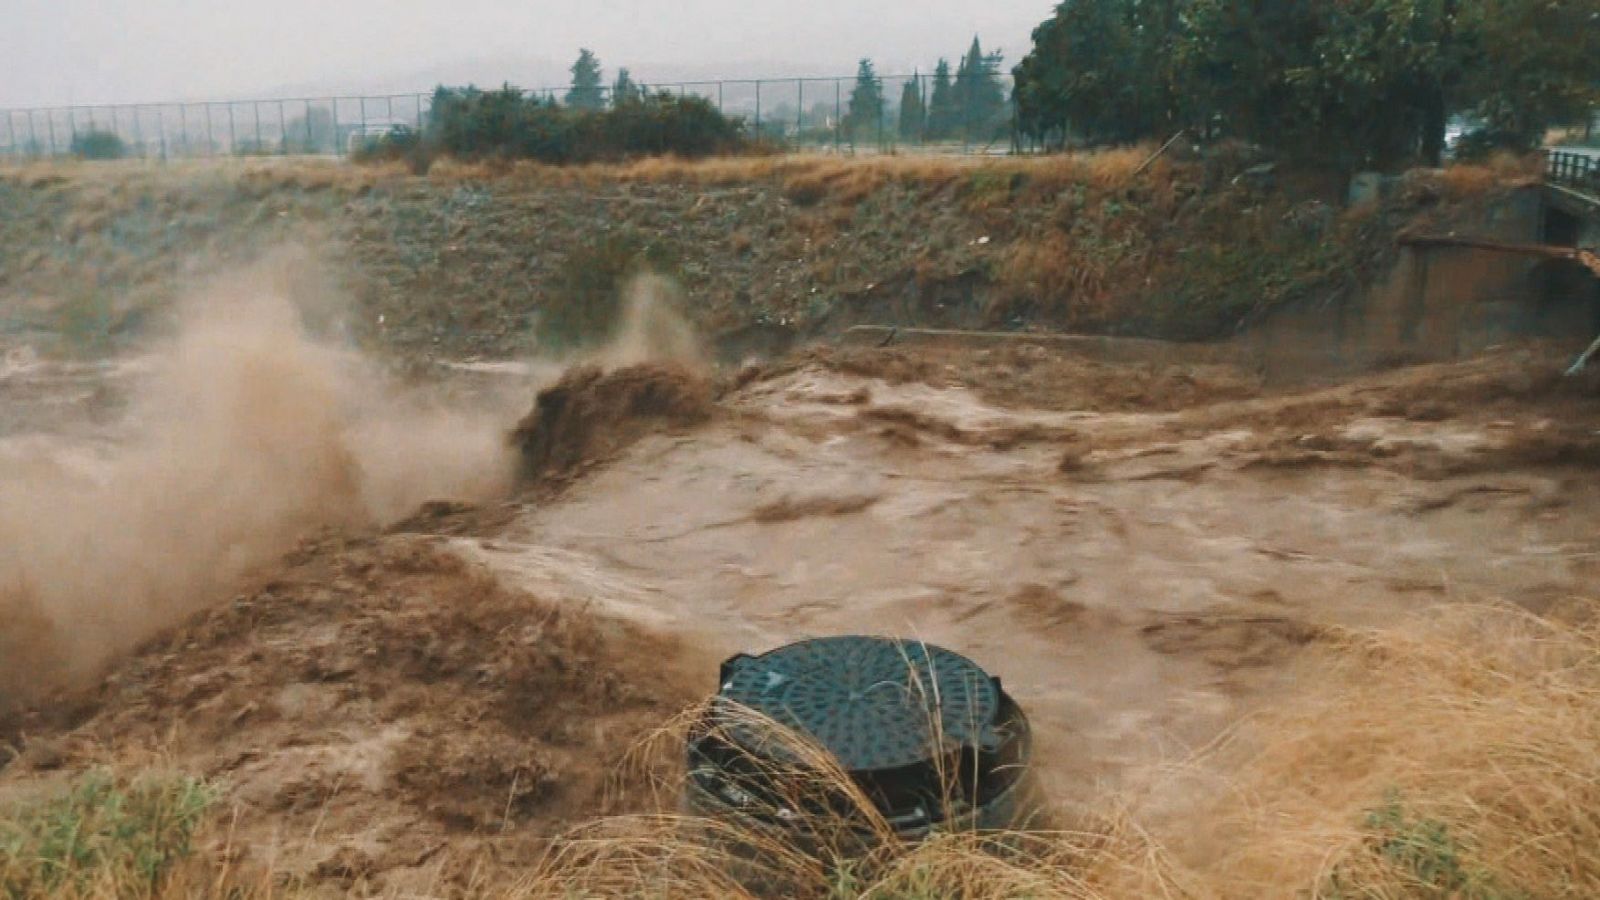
(902, 113)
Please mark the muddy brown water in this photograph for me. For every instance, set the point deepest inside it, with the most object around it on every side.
(1136, 606)
(1141, 580)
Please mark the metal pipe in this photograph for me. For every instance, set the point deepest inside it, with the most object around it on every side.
(1583, 361)
(138, 133)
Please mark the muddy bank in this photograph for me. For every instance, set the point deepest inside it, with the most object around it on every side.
(592, 413)
(385, 707)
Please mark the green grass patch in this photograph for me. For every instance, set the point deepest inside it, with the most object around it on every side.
(102, 832)
(1431, 858)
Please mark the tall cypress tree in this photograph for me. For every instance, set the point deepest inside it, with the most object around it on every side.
(913, 117)
(942, 112)
(586, 92)
(865, 117)
(625, 90)
(979, 97)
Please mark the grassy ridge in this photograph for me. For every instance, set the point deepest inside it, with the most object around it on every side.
(472, 257)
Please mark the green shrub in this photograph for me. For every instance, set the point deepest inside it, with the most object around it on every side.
(469, 123)
(101, 831)
(1424, 852)
(399, 142)
(98, 144)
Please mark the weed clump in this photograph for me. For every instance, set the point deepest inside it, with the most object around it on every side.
(98, 144)
(121, 838)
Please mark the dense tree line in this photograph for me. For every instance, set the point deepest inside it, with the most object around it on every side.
(971, 104)
(1351, 83)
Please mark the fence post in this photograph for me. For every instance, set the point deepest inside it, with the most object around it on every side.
(283, 130)
(419, 114)
(161, 129)
(72, 128)
(183, 129)
(211, 139)
(33, 136)
(333, 114)
(50, 123)
(138, 133)
(11, 134)
(922, 137)
(800, 117)
(255, 110)
(719, 98)
(758, 109)
(838, 116)
(233, 135)
(883, 113)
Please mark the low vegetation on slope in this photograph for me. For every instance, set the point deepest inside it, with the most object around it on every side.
(474, 257)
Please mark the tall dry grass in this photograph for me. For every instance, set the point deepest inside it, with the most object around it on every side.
(1455, 755)
(1458, 756)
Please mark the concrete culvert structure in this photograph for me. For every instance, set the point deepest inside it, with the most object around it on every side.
(863, 734)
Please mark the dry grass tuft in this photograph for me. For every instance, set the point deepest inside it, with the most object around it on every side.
(1462, 181)
(1457, 756)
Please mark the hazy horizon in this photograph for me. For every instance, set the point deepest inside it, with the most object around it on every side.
(120, 51)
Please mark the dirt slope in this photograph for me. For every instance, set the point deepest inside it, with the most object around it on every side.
(468, 262)
(379, 707)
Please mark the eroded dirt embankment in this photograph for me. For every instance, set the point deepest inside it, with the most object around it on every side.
(470, 262)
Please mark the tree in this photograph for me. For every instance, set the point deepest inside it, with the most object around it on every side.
(625, 90)
(1347, 84)
(942, 112)
(979, 98)
(1102, 69)
(913, 117)
(865, 117)
(586, 92)
(1527, 65)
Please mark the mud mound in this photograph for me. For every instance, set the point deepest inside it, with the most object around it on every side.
(388, 696)
(591, 414)
(1031, 376)
(1230, 642)
(902, 425)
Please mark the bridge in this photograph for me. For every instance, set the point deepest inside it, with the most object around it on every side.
(1572, 198)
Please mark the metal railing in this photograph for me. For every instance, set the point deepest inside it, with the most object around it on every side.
(800, 113)
(1574, 169)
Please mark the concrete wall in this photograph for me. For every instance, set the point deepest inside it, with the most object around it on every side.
(1436, 304)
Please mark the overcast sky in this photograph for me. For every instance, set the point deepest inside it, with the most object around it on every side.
(118, 51)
